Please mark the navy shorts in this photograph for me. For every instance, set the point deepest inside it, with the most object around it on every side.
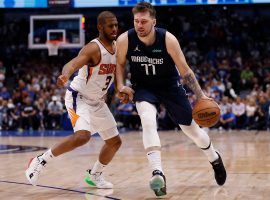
(174, 99)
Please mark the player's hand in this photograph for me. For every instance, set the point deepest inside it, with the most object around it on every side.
(127, 90)
(123, 97)
(61, 80)
(205, 98)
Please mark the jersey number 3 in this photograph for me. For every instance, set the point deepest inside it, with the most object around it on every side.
(108, 80)
(147, 67)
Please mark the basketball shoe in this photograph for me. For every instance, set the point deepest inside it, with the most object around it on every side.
(35, 167)
(97, 180)
(220, 171)
(158, 183)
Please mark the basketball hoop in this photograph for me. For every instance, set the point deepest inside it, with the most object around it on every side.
(53, 46)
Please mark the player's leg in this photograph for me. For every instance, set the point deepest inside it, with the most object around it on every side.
(81, 136)
(104, 123)
(202, 140)
(113, 142)
(37, 164)
(180, 110)
(110, 147)
(151, 142)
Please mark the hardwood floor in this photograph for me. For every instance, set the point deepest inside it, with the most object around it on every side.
(189, 174)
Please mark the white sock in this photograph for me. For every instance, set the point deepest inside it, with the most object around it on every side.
(47, 156)
(154, 159)
(210, 153)
(98, 167)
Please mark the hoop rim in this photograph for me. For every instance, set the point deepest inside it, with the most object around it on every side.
(54, 42)
(53, 46)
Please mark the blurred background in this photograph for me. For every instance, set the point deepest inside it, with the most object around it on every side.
(226, 43)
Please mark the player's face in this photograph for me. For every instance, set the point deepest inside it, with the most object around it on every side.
(110, 28)
(143, 23)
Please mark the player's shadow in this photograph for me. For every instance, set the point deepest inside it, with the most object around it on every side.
(155, 198)
(99, 194)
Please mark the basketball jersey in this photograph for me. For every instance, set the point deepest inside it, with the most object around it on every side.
(151, 66)
(93, 81)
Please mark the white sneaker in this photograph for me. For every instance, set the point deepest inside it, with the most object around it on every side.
(97, 180)
(35, 167)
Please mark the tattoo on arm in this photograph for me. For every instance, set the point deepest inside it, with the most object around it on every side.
(193, 84)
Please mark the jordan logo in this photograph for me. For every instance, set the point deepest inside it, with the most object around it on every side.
(137, 48)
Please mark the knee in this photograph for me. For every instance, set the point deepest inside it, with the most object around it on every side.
(148, 122)
(118, 143)
(114, 142)
(81, 138)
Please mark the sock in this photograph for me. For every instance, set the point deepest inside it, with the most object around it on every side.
(98, 167)
(47, 156)
(210, 152)
(154, 159)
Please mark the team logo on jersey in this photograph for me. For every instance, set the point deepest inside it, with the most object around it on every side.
(106, 69)
(137, 48)
(156, 50)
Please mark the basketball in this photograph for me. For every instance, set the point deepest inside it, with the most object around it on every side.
(206, 113)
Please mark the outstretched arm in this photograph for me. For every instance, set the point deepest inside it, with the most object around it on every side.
(89, 54)
(174, 49)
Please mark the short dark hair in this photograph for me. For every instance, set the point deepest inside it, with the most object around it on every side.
(103, 15)
(144, 7)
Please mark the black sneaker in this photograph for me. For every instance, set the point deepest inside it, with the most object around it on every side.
(158, 183)
(220, 171)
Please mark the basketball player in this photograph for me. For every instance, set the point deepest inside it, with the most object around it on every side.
(84, 101)
(155, 57)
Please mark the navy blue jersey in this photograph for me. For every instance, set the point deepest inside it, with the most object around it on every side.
(154, 77)
(150, 66)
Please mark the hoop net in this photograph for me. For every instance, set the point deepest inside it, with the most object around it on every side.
(53, 46)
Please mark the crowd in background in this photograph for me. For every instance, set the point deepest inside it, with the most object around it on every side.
(229, 52)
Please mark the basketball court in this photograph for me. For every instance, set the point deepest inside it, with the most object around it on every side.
(189, 175)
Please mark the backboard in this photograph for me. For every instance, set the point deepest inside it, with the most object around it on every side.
(66, 28)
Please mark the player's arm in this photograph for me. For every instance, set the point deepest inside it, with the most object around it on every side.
(174, 49)
(122, 47)
(89, 55)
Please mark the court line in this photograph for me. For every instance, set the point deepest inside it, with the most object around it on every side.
(58, 188)
(8, 150)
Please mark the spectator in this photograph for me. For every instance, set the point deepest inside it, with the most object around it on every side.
(250, 112)
(228, 120)
(29, 120)
(42, 112)
(127, 115)
(224, 105)
(264, 104)
(55, 110)
(246, 77)
(14, 116)
(229, 92)
(3, 113)
(5, 93)
(164, 121)
(239, 109)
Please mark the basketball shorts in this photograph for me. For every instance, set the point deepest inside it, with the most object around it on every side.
(174, 99)
(90, 115)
